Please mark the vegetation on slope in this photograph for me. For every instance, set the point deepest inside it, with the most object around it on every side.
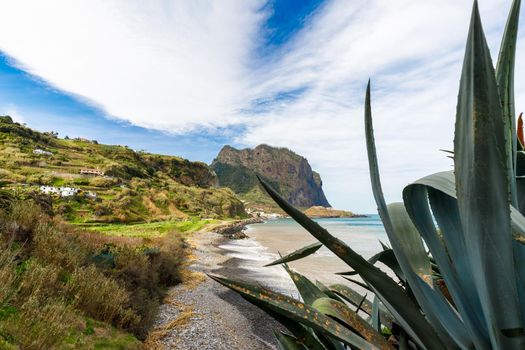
(136, 186)
(66, 289)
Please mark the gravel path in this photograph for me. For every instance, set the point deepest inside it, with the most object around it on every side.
(202, 314)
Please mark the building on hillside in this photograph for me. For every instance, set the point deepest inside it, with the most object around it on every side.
(60, 191)
(42, 152)
(49, 190)
(68, 191)
(95, 172)
(90, 195)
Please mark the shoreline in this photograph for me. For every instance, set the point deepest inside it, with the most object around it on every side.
(201, 314)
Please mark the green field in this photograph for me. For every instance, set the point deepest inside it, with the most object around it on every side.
(149, 230)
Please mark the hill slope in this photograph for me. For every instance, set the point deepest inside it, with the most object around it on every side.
(131, 187)
(287, 171)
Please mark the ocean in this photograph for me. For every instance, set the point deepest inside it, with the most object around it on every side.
(283, 236)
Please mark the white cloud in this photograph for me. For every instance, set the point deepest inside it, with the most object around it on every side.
(15, 114)
(178, 65)
(413, 51)
(169, 65)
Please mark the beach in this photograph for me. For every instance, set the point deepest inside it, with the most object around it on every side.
(202, 314)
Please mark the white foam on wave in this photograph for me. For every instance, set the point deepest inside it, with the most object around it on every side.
(253, 257)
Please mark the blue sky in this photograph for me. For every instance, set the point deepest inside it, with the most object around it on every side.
(42, 106)
(186, 77)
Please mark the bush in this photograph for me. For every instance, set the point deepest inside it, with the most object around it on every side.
(40, 325)
(51, 279)
(19, 221)
(101, 297)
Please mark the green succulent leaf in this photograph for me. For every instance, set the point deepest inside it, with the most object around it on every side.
(401, 241)
(343, 313)
(294, 310)
(375, 315)
(287, 342)
(505, 82)
(308, 290)
(360, 301)
(482, 184)
(298, 254)
(327, 291)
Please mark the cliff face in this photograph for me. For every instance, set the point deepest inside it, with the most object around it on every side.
(286, 171)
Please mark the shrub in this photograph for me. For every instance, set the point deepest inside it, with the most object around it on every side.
(52, 278)
(39, 326)
(63, 249)
(101, 297)
(19, 221)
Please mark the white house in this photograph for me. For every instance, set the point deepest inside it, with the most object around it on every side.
(68, 191)
(61, 191)
(42, 152)
(49, 190)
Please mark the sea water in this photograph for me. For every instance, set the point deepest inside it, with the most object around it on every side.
(283, 236)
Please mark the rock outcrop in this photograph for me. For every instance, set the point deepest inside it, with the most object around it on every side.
(286, 171)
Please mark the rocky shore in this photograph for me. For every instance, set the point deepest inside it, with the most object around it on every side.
(235, 230)
(201, 314)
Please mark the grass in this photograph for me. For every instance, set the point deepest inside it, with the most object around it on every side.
(63, 288)
(149, 230)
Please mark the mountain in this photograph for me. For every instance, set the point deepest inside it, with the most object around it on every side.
(286, 171)
(90, 182)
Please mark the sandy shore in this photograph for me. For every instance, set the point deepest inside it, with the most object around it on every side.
(201, 314)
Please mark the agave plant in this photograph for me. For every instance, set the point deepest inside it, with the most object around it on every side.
(469, 292)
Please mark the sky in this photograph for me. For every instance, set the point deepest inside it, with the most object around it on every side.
(187, 77)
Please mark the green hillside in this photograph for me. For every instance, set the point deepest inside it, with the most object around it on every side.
(135, 186)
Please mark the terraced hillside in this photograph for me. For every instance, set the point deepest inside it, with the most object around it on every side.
(126, 187)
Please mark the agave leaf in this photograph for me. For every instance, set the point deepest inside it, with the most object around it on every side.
(413, 258)
(375, 315)
(359, 283)
(308, 290)
(521, 139)
(408, 313)
(343, 313)
(298, 254)
(299, 331)
(505, 82)
(520, 181)
(287, 342)
(328, 292)
(404, 237)
(409, 241)
(361, 302)
(441, 187)
(416, 202)
(482, 185)
(388, 258)
(294, 310)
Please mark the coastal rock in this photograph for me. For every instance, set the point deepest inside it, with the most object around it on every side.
(288, 172)
(235, 230)
(328, 212)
